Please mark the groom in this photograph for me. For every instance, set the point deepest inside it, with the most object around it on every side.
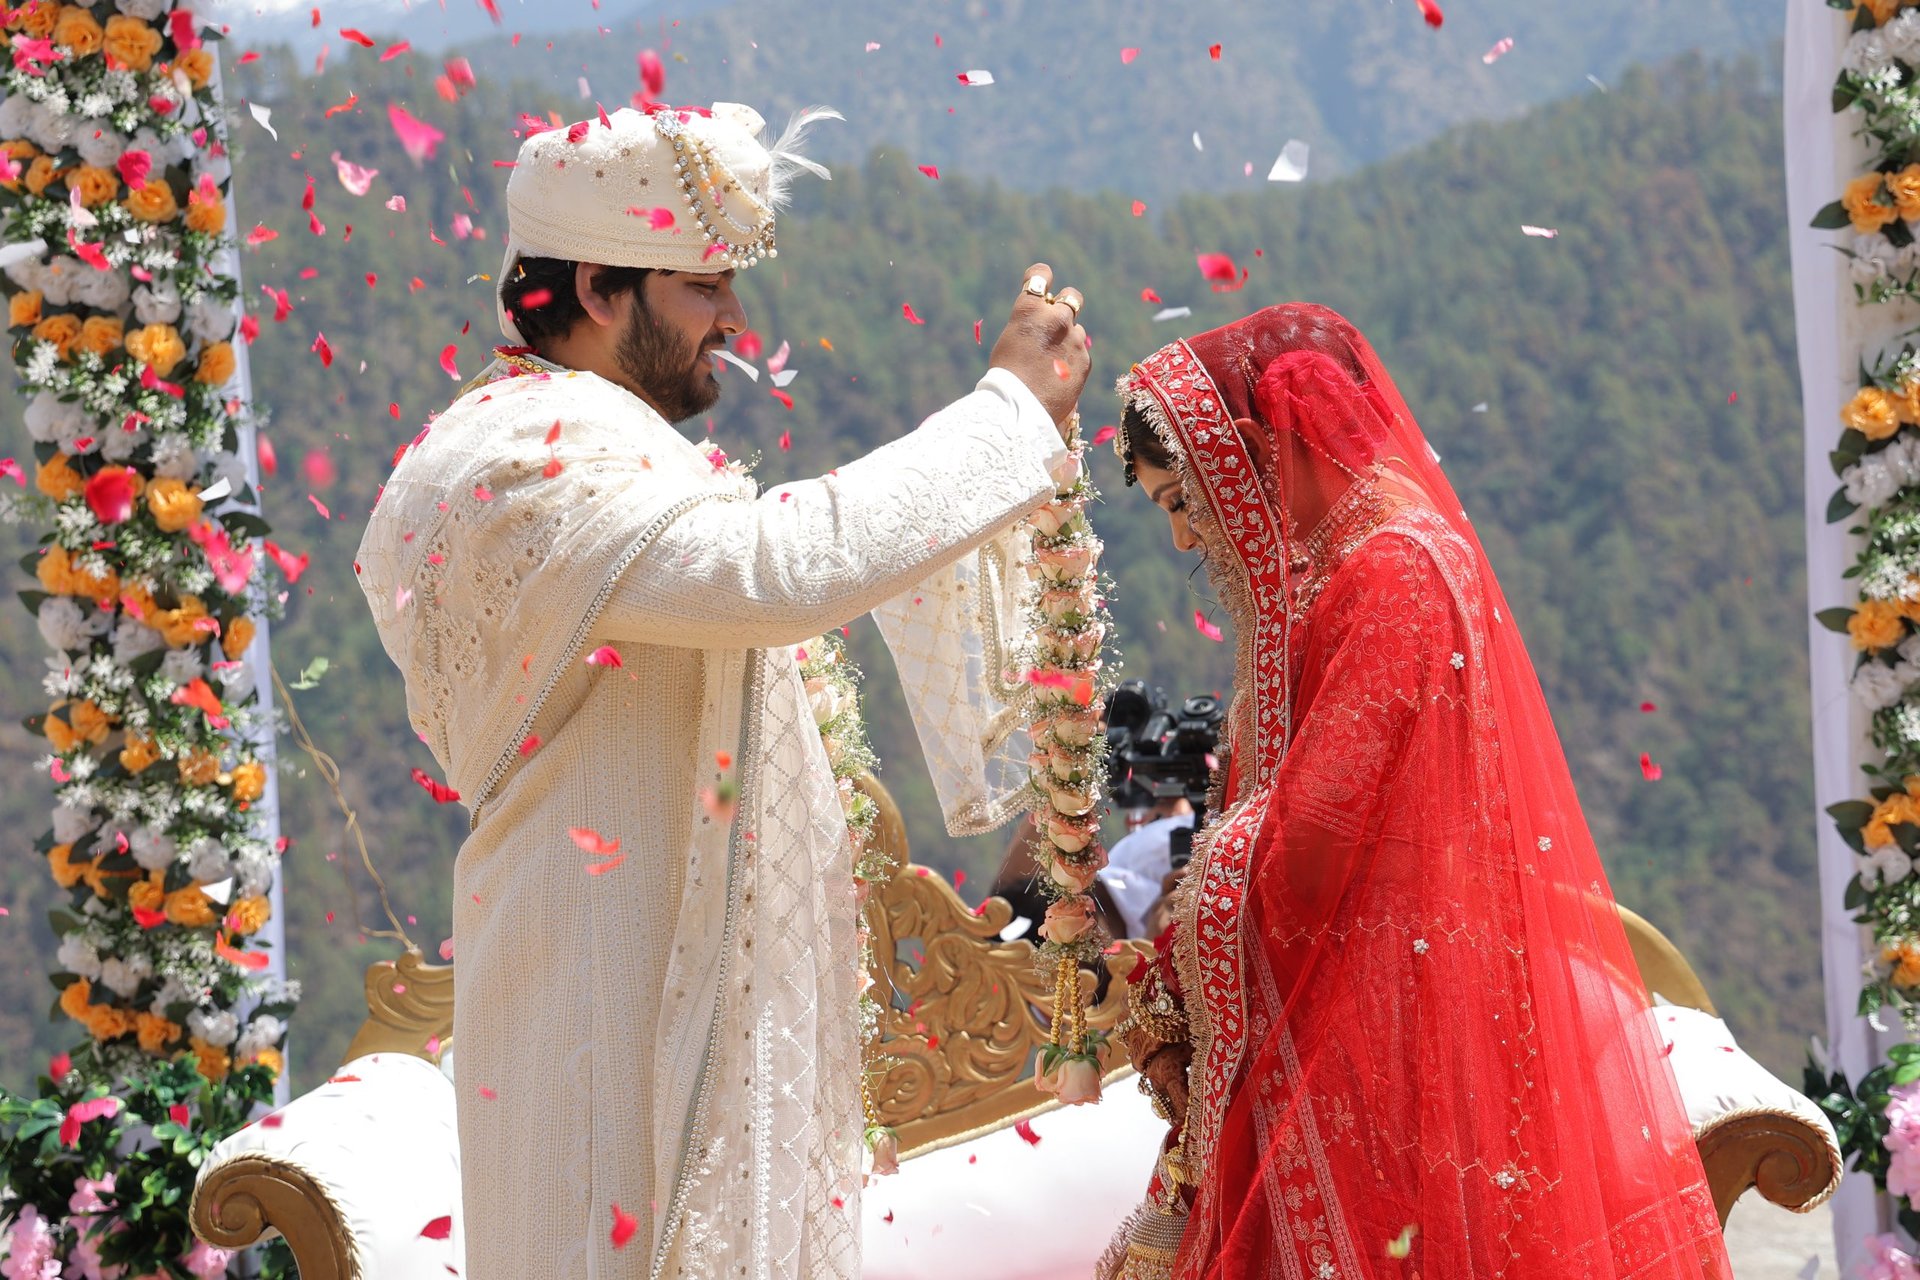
(655, 996)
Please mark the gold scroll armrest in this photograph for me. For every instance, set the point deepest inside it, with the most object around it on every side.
(963, 1014)
(1791, 1162)
(251, 1196)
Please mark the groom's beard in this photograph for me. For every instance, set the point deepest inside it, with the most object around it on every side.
(668, 372)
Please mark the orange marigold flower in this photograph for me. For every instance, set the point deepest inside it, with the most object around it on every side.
(23, 309)
(139, 754)
(235, 639)
(190, 908)
(208, 216)
(217, 364)
(173, 504)
(61, 329)
(131, 42)
(96, 186)
(148, 893)
(75, 998)
(199, 768)
(1876, 625)
(1861, 200)
(58, 480)
(76, 29)
(247, 915)
(155, 1032)
(249, 781)
(158, 345)
(101, 335)
(153, 202)
(213, 1061)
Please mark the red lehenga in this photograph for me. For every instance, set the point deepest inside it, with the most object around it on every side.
(1420, 1042)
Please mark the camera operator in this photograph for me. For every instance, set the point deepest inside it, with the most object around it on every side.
(1159, 765)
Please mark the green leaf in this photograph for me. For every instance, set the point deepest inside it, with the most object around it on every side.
(311, 676)
(1843, 97)
(1835, 619)
(1862, 21)
(1851, 813)
(1831, 218)
(1856, 895)
(1898, 234)
(246, 523)
(33, 600)
(1840, 506)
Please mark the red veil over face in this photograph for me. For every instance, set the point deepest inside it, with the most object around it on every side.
(1421, 1043)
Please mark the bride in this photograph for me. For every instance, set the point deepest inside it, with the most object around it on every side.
(1398, 1031)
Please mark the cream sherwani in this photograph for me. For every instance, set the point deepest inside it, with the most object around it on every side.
(676, 1036)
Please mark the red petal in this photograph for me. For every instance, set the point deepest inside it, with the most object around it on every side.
(439, 1229)
(593, 842)
(605, 656)
(624, 1225)
(1025, 1129)
(906, 309)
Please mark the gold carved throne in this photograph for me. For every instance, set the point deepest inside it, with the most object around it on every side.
(965, 1014)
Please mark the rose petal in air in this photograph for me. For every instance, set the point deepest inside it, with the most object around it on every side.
(624, 1226)
(605, 656)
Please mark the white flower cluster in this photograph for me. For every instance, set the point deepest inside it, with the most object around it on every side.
(1872, 482)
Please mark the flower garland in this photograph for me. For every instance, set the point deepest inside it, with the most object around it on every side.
(1067, 682)
(832, 685)
(121, 296)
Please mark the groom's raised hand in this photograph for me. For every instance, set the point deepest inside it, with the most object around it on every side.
(1044, 344)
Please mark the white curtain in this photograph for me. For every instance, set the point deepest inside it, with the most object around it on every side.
(1833, 331)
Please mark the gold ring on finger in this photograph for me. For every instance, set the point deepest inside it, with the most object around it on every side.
(1037, 286)
(1070, 302)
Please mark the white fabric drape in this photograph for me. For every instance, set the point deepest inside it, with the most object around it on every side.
(1833, 331)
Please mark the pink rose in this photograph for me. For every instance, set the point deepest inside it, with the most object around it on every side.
(1066, 472)
(205, 1261)
(885, 1150)
(1068, 920)
(1070, 800)
(1068, 836)
(1076, 729)
(1079, 1082)
(1077, 876)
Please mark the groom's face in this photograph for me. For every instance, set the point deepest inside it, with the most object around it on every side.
(667, 342)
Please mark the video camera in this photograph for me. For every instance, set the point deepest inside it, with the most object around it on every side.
(1158, 754)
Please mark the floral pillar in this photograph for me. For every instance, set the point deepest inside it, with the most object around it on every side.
(1852, 126)
(122, 290)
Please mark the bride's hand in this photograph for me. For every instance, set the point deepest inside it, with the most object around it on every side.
(1166, 1067)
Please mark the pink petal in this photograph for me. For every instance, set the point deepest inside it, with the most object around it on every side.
(355, 178)
(418, 138)
(605, 656)
(447, 354)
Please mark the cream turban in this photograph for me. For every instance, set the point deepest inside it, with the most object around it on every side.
(603, 192)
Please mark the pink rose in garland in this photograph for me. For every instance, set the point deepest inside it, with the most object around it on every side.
(110, 493)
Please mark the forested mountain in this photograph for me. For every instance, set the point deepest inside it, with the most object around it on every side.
(1634, 471)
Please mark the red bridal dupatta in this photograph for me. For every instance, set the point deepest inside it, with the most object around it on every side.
(1421, 1044)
